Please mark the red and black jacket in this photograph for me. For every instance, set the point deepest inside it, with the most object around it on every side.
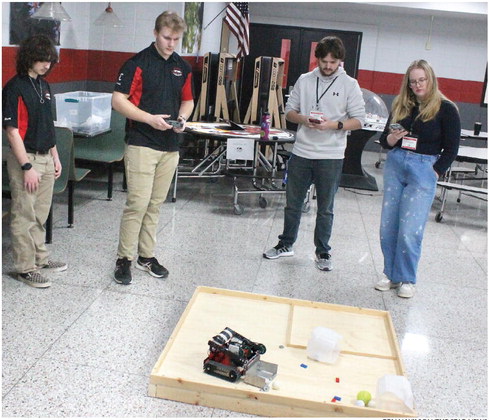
(157, 86)
(22, 109)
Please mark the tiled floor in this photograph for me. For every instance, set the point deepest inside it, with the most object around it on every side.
(86, 346)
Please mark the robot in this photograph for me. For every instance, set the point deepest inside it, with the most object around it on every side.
(232, 356)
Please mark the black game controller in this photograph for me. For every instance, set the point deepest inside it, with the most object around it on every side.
(175, 123)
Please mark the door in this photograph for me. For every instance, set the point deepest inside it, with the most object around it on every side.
(296, 46)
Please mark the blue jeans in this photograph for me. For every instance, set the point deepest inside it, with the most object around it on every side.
(301, 173)
(409, 190)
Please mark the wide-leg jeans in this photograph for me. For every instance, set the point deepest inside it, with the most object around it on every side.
(301, 173)
(409, 190)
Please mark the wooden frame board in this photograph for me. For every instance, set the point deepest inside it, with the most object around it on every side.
(369, 350)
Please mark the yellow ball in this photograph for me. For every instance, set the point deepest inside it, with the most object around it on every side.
(364, 396)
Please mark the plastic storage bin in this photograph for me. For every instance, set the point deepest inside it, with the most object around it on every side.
(86, 113)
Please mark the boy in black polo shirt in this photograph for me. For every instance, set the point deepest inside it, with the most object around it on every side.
(153, 88)
(32, 161)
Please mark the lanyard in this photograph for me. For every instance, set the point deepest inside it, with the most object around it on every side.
(318, 98)
(413, 111)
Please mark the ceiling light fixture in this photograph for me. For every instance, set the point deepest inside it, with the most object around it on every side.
(51, 11)
(109, 19)
(427, 46)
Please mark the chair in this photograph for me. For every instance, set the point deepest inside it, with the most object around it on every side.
(69, 175)
(107, 148)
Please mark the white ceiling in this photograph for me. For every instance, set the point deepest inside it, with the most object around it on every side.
(475, 10)
(467, 11)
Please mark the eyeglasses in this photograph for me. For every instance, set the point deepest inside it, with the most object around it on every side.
(418, 82)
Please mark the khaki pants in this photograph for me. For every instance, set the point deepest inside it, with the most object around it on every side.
(29, 212)
(149, 175)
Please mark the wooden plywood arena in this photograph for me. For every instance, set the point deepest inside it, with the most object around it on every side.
(369, 350)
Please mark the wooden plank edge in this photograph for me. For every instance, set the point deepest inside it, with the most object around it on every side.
(291, 301)
(394, 343)
(261, 403)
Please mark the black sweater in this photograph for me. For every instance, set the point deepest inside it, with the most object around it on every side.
(440, 136)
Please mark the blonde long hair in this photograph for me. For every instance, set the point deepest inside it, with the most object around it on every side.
(404, 103)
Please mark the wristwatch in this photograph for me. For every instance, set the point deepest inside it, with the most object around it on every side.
(340, 125)
(26, 166)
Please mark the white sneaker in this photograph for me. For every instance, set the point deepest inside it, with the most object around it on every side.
(406, 290)
(385, 284)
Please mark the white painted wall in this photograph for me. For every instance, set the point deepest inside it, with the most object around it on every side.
(137, 33)
(394, 38)
(391, 40)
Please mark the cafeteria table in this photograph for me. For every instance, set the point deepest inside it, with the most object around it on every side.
(469, 154)
(260, 164)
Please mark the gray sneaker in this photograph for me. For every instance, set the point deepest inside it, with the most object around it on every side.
(54, 266)
(323, 262)
(278, 251)
(34, 279)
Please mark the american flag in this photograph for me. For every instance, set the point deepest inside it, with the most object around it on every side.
(238, 20)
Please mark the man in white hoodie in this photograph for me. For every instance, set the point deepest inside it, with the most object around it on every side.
(326, 103)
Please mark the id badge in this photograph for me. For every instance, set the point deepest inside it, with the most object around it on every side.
(316, 116)
(409, 142)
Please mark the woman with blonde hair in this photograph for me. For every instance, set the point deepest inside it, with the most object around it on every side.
(423, 134)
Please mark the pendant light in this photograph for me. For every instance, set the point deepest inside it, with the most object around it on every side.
(109, 19)
(427, 46)
(51, 11)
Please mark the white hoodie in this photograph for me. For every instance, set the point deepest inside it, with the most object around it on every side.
(343, 100)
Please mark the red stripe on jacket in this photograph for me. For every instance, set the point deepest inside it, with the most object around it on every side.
(22, 117)
(187, 89)
(136, 87)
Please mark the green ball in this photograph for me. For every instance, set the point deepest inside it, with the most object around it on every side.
(364, 396)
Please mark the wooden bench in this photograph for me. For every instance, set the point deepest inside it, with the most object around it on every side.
(107, 148)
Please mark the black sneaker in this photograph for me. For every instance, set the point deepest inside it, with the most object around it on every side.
(122, 273)
(152, 266)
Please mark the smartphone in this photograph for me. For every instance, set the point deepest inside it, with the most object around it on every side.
(174, 123)
(396, 126)
(314, 121)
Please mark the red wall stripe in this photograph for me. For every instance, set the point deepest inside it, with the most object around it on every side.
(312, 57)
(104, 67)
(457, 90)
(285, 55)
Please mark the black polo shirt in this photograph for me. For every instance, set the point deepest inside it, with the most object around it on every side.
(22, 109)
(158, 86)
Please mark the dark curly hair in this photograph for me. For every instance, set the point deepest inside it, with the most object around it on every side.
(330, 44)
(33, 49)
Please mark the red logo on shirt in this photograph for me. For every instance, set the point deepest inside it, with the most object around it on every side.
(177, 72)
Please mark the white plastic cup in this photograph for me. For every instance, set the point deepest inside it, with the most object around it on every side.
(324, 345)
(394, 393)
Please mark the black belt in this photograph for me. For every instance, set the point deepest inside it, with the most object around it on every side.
(37, 152)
